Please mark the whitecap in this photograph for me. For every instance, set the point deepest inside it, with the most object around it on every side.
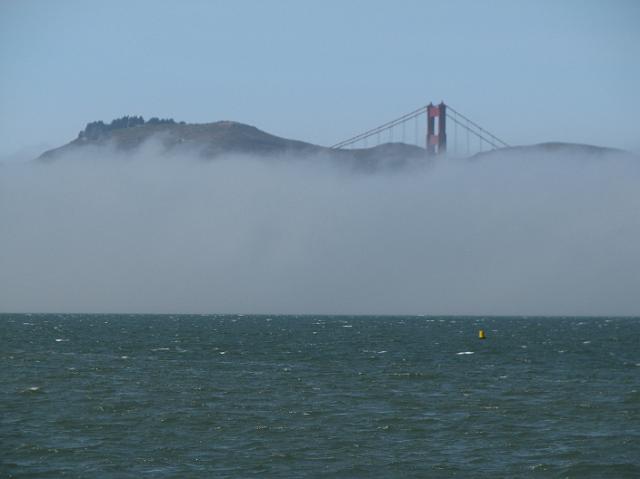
(381, 352)
(160, 349)
(464, 352)
(32, 389)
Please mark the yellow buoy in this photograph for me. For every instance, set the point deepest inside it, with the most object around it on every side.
(481, 334)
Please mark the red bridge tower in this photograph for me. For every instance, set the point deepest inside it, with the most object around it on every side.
(436, 142)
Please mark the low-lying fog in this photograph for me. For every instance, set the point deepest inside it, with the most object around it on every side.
(524, 235)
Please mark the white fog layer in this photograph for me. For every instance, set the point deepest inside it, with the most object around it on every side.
(516, 235)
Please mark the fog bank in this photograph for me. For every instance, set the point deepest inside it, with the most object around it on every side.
(525, 235)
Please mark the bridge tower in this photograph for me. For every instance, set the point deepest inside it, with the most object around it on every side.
(436, 142)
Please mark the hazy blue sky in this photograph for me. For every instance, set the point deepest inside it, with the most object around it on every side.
(319, 71)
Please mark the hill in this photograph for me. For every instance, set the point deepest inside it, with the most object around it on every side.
(211, 140)
(553, 149)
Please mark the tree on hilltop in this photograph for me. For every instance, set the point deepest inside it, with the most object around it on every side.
(97, 129)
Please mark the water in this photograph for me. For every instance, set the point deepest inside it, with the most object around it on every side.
(120, 396)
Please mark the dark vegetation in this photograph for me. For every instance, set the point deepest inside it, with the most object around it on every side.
(98, 129)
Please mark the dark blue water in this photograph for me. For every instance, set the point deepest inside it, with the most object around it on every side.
(108, 396)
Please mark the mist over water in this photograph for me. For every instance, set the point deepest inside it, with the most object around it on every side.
(521, 234)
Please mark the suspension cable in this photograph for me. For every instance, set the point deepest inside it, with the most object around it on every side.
(474, 129)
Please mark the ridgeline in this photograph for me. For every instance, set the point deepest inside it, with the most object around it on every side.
(213, 140)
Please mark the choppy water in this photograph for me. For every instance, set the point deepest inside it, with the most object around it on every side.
(102, 396)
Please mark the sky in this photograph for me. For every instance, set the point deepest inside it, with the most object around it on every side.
(528, 71)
